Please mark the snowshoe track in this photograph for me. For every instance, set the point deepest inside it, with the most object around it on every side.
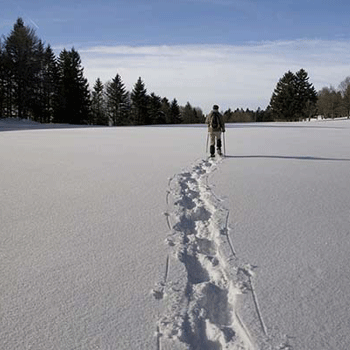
(198, 290)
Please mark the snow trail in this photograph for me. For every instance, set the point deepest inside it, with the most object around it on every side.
(200, 286)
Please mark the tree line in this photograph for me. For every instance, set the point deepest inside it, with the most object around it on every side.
(37, 85)
(295, 98)
(335, 103)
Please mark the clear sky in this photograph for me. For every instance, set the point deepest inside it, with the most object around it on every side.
(229, 52)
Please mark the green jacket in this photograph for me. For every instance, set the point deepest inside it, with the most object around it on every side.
(221, 126)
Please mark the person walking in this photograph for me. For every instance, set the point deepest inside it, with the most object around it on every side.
(216, 126)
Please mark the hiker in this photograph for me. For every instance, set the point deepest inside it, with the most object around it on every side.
(216, 125)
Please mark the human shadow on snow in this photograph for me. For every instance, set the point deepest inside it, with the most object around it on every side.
(289, 157)
(291, 125)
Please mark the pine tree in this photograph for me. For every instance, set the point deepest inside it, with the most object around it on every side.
(155, 113)
(283, 103)
(98, 110)
(306, 95)
(24, 65)
(175, 117)
(51, 85)
(117, 102)
(199, 116)
(74, 90)
(294, 98)
(195, 116)
(6, 86)
(189, 114)
(166, 110)
(2, 81)
(25, 84)
(139, 102)
(37, 99)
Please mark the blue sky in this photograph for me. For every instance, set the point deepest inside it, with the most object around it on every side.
(230, 52)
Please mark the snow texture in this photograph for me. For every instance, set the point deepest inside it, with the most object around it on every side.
(125, 238)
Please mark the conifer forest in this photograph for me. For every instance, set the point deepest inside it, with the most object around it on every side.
(36, 84)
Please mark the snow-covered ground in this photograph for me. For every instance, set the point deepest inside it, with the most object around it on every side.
(129, 238)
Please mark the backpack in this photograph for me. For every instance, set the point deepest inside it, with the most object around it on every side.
(215, 121)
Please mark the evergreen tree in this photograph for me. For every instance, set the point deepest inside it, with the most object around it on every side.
(35, 84)
(190, 115)
(293, 98)
(117, 102)
(51, 83)
(175, 117)
(228, 115)
(156, 115)
(28, 83)
(139, 100)
(24, 65)
(98, 110)
(166, 110)
(195, 117)
(199, 116)
(37, 99)
(187, 114)
(6, 86)
(283, 103)
(2, 81)
(306, 95)
(74, 90)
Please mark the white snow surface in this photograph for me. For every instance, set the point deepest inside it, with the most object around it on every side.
(130, 238)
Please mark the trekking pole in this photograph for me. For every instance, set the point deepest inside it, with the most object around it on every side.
(224, 144)
(206, 148)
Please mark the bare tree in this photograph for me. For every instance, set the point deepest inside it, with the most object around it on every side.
(329, 102)
(344, 88)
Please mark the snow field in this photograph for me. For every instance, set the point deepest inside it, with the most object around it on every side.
(287, 188)
(247, 252)
(82, 234)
